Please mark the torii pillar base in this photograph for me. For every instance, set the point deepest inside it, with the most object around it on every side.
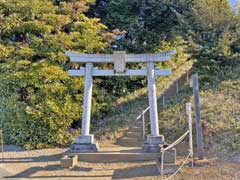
(84, 144)
(153, 144)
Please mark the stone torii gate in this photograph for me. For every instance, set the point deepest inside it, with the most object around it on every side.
(85, 142)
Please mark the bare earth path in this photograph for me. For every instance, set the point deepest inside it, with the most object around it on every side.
(44, 164)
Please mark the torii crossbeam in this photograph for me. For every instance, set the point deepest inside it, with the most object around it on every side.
(85, 141)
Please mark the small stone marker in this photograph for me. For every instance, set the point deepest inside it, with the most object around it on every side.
(69, 161)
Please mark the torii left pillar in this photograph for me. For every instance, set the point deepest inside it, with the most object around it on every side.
(85, 141)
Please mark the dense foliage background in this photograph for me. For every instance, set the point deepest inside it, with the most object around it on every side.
(39, 102)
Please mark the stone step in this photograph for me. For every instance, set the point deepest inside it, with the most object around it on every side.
(133, 134)
(138, 124)
(127, 141)
(135, 129)
(120, 155)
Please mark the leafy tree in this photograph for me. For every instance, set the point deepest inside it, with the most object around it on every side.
(38, 100)
(147, 23)
(212, 18)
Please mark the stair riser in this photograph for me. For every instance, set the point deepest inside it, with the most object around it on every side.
(138, 124)
(136, 144)
(123, 157)
(133, 135)
(135, 129)
(116, 157)
(128, 141)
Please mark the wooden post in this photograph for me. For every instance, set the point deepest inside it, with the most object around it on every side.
(87, 100)
(198, 117)
(152, 100)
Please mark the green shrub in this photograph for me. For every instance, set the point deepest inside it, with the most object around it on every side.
(39, 102)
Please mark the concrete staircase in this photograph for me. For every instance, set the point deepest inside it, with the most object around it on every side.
(133, 137)
(126, 149)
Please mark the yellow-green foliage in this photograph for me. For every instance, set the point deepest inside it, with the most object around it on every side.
(38, 100)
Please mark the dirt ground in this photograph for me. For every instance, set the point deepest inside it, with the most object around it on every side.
(44, 164)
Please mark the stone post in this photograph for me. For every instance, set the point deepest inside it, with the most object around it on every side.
(87, 103)
(152, 100)
(153, 140)
(85, 141)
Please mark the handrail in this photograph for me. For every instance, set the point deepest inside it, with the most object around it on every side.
(143, 112)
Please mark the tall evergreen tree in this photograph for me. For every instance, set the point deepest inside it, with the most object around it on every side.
(146, 22)
(38, 100)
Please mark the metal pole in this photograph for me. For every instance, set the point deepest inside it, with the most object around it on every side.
(189, 114)
(87, 100)
(143, 124)
(198, 117)
(152, 100)
(2, 142)
(2, 145)
(187, 76)
(177, 87)
(163, 100)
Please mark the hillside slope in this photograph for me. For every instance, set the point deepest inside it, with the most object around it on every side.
(220, 111)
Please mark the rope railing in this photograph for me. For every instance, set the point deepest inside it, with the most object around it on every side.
(180, 167)
(177, 141)
(190, 154)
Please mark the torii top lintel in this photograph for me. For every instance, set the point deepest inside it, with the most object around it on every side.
(119, 58)
(129, 58)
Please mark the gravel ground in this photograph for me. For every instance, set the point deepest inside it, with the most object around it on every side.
(44, 164)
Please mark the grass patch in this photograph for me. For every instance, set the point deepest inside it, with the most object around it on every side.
(220, 110)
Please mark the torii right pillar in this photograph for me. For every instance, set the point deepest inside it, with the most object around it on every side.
(154, 140)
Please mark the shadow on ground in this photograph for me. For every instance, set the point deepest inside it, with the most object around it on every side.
(133, 172)
(43, 158)
(136, 171)
(29, 172)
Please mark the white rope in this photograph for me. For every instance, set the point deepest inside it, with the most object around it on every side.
(176, 142)
(180, 167)
(169, 147)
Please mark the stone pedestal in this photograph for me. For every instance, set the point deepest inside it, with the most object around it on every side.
(84, 144)
(153, 144)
